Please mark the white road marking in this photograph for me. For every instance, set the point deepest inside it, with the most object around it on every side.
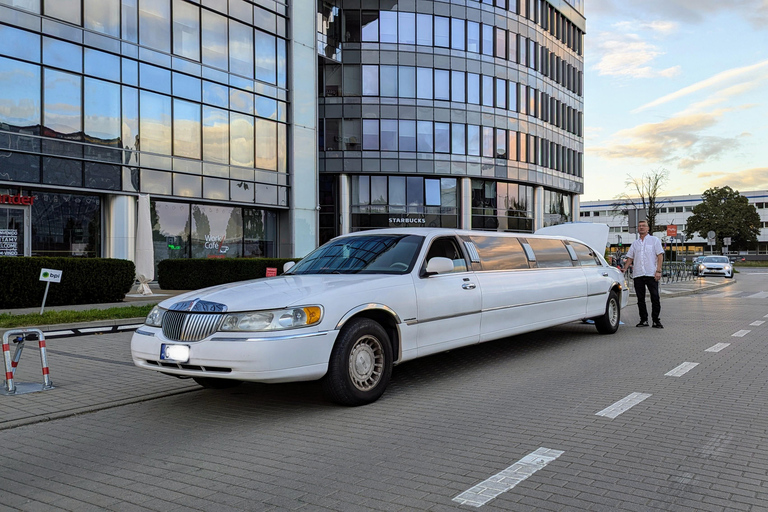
(681, 370)
(505, 480)
(724, 294)
(741, 333)
(623, 405)
(757, 323)
(717, 348)
(758, 295)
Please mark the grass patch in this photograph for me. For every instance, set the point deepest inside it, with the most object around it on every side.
(65, 317)
(751, 264)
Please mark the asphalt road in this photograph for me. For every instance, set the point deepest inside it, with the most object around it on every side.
(562, 419)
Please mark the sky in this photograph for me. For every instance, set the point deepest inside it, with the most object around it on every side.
(675, 85)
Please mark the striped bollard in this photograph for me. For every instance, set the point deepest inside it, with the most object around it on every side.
(47, 384)
(10, 387)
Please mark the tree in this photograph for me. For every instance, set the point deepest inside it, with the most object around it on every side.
(647, 189)
(728, 214)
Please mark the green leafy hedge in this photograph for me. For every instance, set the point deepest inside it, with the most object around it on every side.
(83, 281)
(192, 274)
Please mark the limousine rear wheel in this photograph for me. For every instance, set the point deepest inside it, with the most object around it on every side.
(608, 322)
(360, 365)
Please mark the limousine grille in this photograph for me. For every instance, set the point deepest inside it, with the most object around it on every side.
(184, 326)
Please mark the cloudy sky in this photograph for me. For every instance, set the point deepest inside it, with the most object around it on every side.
(679, 85)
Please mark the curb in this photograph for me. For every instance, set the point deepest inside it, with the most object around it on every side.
(81, 328)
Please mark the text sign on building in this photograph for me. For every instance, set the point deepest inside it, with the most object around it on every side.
(17, 199)
(672, 230)
(408, 221)
(9, 242)
(52, 276)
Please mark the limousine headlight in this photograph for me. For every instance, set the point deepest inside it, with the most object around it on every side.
(155, 317)
(272, 320)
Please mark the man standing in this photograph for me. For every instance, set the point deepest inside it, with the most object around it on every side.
(647, 255)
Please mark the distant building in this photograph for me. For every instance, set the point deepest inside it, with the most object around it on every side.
(673, 211)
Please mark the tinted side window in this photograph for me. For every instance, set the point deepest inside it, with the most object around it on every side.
(500, 253)
(550, 253)
(587, 258)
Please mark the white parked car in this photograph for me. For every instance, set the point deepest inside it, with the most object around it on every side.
(363, 302)
(715, 266)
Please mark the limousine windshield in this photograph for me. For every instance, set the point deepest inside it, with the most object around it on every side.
(367, 254)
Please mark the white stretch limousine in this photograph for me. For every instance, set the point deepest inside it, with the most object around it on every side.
(362, 302)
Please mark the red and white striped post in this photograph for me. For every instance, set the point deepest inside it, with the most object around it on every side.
(10, 387)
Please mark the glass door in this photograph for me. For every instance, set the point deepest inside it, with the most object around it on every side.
(14, 231)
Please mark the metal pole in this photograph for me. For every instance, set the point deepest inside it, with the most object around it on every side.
(45, 295)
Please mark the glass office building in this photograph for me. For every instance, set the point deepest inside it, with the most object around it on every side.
(453, 114)
(263, 128)
(185, 100)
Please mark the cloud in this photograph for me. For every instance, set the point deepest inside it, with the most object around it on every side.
(746, 179)
(757, 72)
(754, 11)
(628, 55)
(678, 141)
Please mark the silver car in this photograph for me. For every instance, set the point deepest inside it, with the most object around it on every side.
(715, 266)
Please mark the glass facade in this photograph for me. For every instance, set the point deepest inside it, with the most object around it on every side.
(491, 99)
(175, 98)
(183, 230)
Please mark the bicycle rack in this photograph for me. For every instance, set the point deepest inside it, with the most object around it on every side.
(19, 337)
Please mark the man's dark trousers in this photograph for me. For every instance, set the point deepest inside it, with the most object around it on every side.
(653, 287)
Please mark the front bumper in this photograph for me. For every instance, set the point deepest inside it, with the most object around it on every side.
(254, 357)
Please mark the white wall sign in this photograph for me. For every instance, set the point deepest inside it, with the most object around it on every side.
(52, 276)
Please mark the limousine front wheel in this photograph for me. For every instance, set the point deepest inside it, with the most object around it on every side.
(608, 322)
(360, 365)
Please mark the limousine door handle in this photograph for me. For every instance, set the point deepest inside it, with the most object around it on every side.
(468, 286)
(605, 274)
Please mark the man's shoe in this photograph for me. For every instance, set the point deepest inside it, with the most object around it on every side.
(657, 325)
(643, 323)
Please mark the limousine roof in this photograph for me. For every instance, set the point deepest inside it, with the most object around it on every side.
(435, 232)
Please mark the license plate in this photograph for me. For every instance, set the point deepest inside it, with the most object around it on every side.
(174, 353)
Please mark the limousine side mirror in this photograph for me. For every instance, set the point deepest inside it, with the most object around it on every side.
(438, 265)
(288, 266)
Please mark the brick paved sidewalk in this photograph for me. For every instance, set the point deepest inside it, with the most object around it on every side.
(95, 371)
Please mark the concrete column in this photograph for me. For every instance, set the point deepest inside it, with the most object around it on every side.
(575, 207)
(538, 208)
(304, 213)
(119, 227)
(345, 209)
(465, 218)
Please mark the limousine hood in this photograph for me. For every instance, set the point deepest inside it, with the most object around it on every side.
(284, 291)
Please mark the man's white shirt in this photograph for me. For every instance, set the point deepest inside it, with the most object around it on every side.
(643, 253)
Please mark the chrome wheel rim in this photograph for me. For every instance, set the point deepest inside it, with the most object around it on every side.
(366, 363)
(613, 312)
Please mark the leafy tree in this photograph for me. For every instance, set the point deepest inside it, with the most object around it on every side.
(647, 190)
(727, 213)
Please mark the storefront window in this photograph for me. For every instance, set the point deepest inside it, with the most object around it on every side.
(399, 201)
(500, 206)
(217, 232)
(170, 230)
(67, 225)
(259, 233)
